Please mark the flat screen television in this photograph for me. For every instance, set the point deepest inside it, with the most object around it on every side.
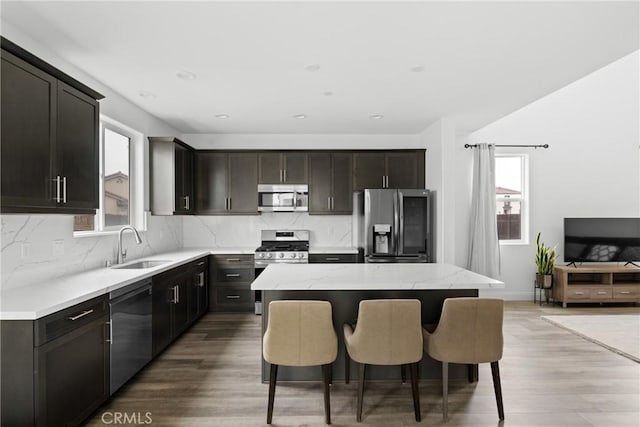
(601, 239)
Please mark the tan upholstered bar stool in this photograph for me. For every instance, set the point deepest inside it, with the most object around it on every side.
(300, 333)
(469, 332)
(388, 332)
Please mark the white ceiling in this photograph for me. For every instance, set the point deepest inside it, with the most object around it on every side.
(482, 60)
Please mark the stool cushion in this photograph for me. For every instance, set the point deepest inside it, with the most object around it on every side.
(300, 333)
(388, 332)
(469, 331)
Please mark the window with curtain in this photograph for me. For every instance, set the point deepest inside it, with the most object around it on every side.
(512, 202)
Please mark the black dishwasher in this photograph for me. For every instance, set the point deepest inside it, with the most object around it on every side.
(130, 331)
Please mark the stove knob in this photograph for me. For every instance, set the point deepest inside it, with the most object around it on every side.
(260, 255)
(293, 255)
(269, 255)
(281, 255)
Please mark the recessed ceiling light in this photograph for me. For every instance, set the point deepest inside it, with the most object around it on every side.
(222, 116)
(146, 95)
(300, 116)
(376, 116)
(312, 67)
(185, 75)
(417, 68)
(328, 93)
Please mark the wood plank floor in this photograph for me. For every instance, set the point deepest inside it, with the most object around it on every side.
(550, 377)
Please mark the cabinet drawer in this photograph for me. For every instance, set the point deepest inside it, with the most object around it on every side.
(626, 292)
(233, 298)
(230, 275)
(333, 258)
(65, 321)
(233, 259)
(601, 293)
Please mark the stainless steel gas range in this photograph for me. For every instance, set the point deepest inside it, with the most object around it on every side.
(280, 247)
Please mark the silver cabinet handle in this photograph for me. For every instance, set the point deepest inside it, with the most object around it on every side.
(233, 296)
(281, 176)
(176, 294)
(110, 332)
(579, 293)
(332, 258)
(625, 292)
(383, 181)
(333, 206)
(200, 280)
(64, 189)
(200, 263)
(84, 313)
(57, 181)
(229, 203)
(284, 174)
(232, 275)
(329, 203)
(602, 292)
(233, 259)
(186, 202)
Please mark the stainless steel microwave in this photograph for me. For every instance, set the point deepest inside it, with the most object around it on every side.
(283, 198)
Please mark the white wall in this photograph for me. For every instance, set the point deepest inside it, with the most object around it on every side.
(592, 167)
(28, 253)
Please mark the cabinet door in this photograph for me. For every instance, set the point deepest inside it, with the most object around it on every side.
(402, 170)
(294, 168)
(243, 183)
(211, 182)
(73, 375)
(28, 130)
(77, 148)
(180, 318)
(269, 167)
(342, 197)
(162, 297)
(183, 180)
(368, 170)
(320, 183)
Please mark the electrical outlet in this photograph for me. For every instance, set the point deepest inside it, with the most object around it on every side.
(58, 248)
(25, 250)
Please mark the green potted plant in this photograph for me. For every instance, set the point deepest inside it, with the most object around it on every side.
(545, 261)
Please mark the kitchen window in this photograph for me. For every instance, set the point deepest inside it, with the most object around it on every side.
(119, 204)
(512, 198)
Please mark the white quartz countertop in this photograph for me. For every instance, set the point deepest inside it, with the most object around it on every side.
(38, 300)
(332, 250)
(385, 276)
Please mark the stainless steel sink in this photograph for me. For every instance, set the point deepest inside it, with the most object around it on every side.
(141, 264)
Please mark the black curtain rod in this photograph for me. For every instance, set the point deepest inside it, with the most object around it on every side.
(502, 145)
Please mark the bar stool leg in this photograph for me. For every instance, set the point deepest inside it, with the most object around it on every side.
(361, 391)
(415, 390)
(326, 377)
(445, 390)
(347, 367)
(273, 374)
(403, 373)
(497, 388)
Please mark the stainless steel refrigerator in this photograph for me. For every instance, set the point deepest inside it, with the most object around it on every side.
(394, 225)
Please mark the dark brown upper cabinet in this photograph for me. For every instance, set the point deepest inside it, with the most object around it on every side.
(171, 171)
(288, 167)
(330, 183)
(50, 145)
(226, 182)
(388, 169)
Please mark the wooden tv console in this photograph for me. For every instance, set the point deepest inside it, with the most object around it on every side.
(596, 284)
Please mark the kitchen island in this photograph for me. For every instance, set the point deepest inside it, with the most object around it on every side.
(345, 285)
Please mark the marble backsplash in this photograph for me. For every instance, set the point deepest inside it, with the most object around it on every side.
(41, 247)
(244, 230)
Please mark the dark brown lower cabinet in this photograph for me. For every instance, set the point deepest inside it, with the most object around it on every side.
(333, 258)
(180, 297)
(55, 370)
(231, 283)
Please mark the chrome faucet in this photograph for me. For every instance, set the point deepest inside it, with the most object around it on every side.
(122, 253)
